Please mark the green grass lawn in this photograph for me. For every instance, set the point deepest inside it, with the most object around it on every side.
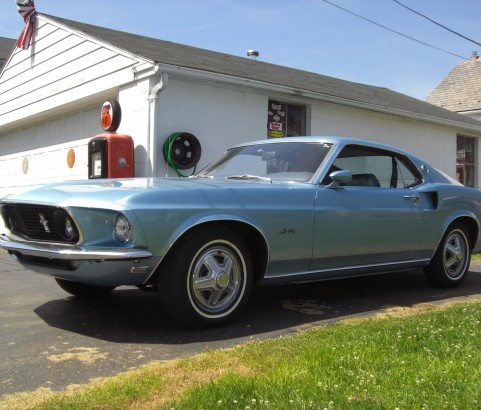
(424, 358)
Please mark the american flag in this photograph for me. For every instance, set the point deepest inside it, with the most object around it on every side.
(26, 8)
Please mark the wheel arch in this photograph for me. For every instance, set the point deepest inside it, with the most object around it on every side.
(472, 226)
(254, 240)
(470, 223)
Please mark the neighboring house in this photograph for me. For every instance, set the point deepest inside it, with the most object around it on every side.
(6, 47)
(51, 95)
(460, 92)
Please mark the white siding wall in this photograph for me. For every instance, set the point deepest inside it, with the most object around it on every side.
(60, 68)
(44, 147)
(135, 120)
(222, 117)
(218, 116)
(50, 99)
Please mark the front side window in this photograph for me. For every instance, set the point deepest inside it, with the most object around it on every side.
(465, 161)
(375, 168)
(285, 120)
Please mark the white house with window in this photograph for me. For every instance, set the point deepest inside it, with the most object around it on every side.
(51, 96)
(460, 92)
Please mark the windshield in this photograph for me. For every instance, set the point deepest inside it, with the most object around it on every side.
(288, 161)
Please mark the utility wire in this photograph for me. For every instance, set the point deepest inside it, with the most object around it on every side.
(435, 22)
(393, 31)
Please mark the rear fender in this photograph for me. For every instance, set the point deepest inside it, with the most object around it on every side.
(472, 224)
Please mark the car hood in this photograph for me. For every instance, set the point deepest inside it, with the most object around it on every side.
(105, 193)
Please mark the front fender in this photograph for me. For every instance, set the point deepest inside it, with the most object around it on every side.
(201, 219)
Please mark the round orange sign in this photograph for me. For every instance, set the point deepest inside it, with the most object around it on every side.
(110, 115)
(70, 158)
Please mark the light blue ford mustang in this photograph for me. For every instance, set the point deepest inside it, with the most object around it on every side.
(273, 211)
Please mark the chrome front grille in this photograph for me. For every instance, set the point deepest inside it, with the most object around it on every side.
(38, 222)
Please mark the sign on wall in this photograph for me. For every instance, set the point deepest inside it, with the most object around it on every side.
(276, 119)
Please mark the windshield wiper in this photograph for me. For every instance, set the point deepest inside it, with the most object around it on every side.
(250, 177)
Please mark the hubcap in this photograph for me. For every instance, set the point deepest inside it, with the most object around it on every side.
(222, 280)
(455, 255)
(216, 280)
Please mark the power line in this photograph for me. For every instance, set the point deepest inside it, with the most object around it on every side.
(393, 31)
(438, 24)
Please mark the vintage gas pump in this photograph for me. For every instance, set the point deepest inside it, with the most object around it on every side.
(111, 155)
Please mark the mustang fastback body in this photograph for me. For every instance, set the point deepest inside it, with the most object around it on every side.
(273, 211)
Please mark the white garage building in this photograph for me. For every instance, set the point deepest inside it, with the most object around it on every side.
(51, 95)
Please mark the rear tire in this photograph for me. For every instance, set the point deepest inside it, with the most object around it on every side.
(450, 263)
(207, 279)
(83, 290)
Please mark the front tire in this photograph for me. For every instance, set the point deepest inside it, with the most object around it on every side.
(207, 278)
(450, 263)
(83, 290)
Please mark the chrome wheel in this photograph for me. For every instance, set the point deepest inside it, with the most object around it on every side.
(216, 279)
(450, 264)
(455, 254)
(207, 278)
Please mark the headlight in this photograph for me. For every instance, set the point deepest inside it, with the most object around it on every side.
(65, 226)
(69, 229)
(123, 230)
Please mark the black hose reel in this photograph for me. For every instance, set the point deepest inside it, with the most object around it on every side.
(182, 150)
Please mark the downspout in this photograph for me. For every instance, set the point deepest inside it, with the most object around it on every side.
(152, 138)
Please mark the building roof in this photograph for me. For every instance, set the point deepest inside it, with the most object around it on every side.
(6, 47)
(460, 91)
(328, 88)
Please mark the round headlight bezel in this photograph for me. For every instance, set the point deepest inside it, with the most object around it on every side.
(69, 229)
(123, 229)
(66, 226)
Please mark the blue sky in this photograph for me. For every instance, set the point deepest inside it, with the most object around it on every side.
(305, 34)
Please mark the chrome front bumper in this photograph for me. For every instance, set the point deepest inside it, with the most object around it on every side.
(66, 252)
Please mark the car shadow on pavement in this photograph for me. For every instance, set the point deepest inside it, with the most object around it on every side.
(128, 315)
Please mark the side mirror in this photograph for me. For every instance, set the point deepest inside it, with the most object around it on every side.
(338, 178)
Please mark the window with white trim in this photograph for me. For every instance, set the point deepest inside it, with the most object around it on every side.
(465, 160)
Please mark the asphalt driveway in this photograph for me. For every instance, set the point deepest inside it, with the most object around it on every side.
(49, 339)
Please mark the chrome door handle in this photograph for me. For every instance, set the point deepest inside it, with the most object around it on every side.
(414, 198)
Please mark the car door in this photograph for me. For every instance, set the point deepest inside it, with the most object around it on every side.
(375, 219)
